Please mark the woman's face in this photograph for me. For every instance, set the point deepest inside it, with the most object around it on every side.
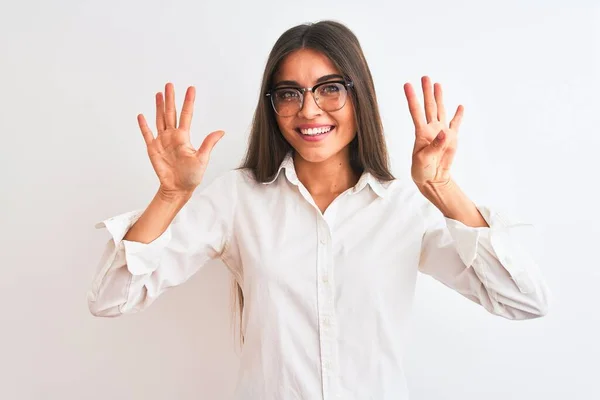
(316, 135)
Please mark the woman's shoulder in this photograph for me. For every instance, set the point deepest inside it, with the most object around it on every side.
(234, 179)
(400, 187)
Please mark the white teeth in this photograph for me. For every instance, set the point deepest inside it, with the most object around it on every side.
(315, 131)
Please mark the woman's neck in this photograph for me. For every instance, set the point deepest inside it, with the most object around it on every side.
(330, 177)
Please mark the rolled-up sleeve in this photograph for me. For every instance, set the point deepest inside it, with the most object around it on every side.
(131, 275)
(492, 266)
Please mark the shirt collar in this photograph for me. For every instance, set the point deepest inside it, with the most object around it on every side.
(290, 172)
(366, 178)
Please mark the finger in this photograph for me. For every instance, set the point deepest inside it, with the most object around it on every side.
(435, 148)
(440, 141)
(430, 107)
(457, 119)
(414, 107)
(146, 132)
(444, 142)
(185, 121)
(439, 101)
(170, 112)
(209, 142)
(160, 112)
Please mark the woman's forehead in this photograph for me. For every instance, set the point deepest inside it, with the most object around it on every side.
(305, 67)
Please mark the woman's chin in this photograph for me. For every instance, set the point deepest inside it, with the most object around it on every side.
(316, 155)
(320, 151)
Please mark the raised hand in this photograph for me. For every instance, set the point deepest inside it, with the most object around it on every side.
(179, 167)
(435, 139)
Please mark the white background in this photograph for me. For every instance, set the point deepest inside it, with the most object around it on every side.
(74, 75)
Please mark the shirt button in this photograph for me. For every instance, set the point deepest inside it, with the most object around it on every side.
(325, 279)
(323, 240)
(326, 321)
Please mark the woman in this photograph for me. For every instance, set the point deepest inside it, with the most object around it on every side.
(323, 243)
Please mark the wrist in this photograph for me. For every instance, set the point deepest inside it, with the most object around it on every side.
(437, 189)
(173, 197)
(443, 195)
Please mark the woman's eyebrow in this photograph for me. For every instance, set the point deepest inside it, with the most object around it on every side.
(329, 77)
(321, 79)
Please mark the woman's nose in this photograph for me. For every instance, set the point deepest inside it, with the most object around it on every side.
(309, 109)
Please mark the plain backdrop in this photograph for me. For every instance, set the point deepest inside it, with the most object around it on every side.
(74, 75)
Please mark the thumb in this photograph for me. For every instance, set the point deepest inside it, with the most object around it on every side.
(439, 140)
(437, 144)
(208, 144)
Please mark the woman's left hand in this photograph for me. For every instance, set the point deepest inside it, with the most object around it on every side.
(435, 139)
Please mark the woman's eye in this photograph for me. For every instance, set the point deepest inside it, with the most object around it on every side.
(287, 94)
(330, 89)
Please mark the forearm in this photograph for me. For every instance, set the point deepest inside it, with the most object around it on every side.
(454, 203)
(156, 218)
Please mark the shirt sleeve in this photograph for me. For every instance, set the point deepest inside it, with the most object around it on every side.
(131, 275)
(491, 266)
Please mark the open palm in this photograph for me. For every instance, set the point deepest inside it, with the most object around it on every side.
(179, 167)
(435, 140)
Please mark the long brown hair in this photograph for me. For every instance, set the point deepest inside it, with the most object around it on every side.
(267, 147)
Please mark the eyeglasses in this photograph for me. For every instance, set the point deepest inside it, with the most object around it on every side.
(329, 96)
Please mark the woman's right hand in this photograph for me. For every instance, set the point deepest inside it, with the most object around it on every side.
(177, 164)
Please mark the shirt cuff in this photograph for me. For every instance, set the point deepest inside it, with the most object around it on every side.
(467, 238)
(503, 238)
(141, 258)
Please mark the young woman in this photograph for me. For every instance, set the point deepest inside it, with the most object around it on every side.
(322, 242)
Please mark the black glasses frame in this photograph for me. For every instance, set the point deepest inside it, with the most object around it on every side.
(347, 84)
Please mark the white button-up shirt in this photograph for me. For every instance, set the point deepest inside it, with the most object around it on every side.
(326, 295)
